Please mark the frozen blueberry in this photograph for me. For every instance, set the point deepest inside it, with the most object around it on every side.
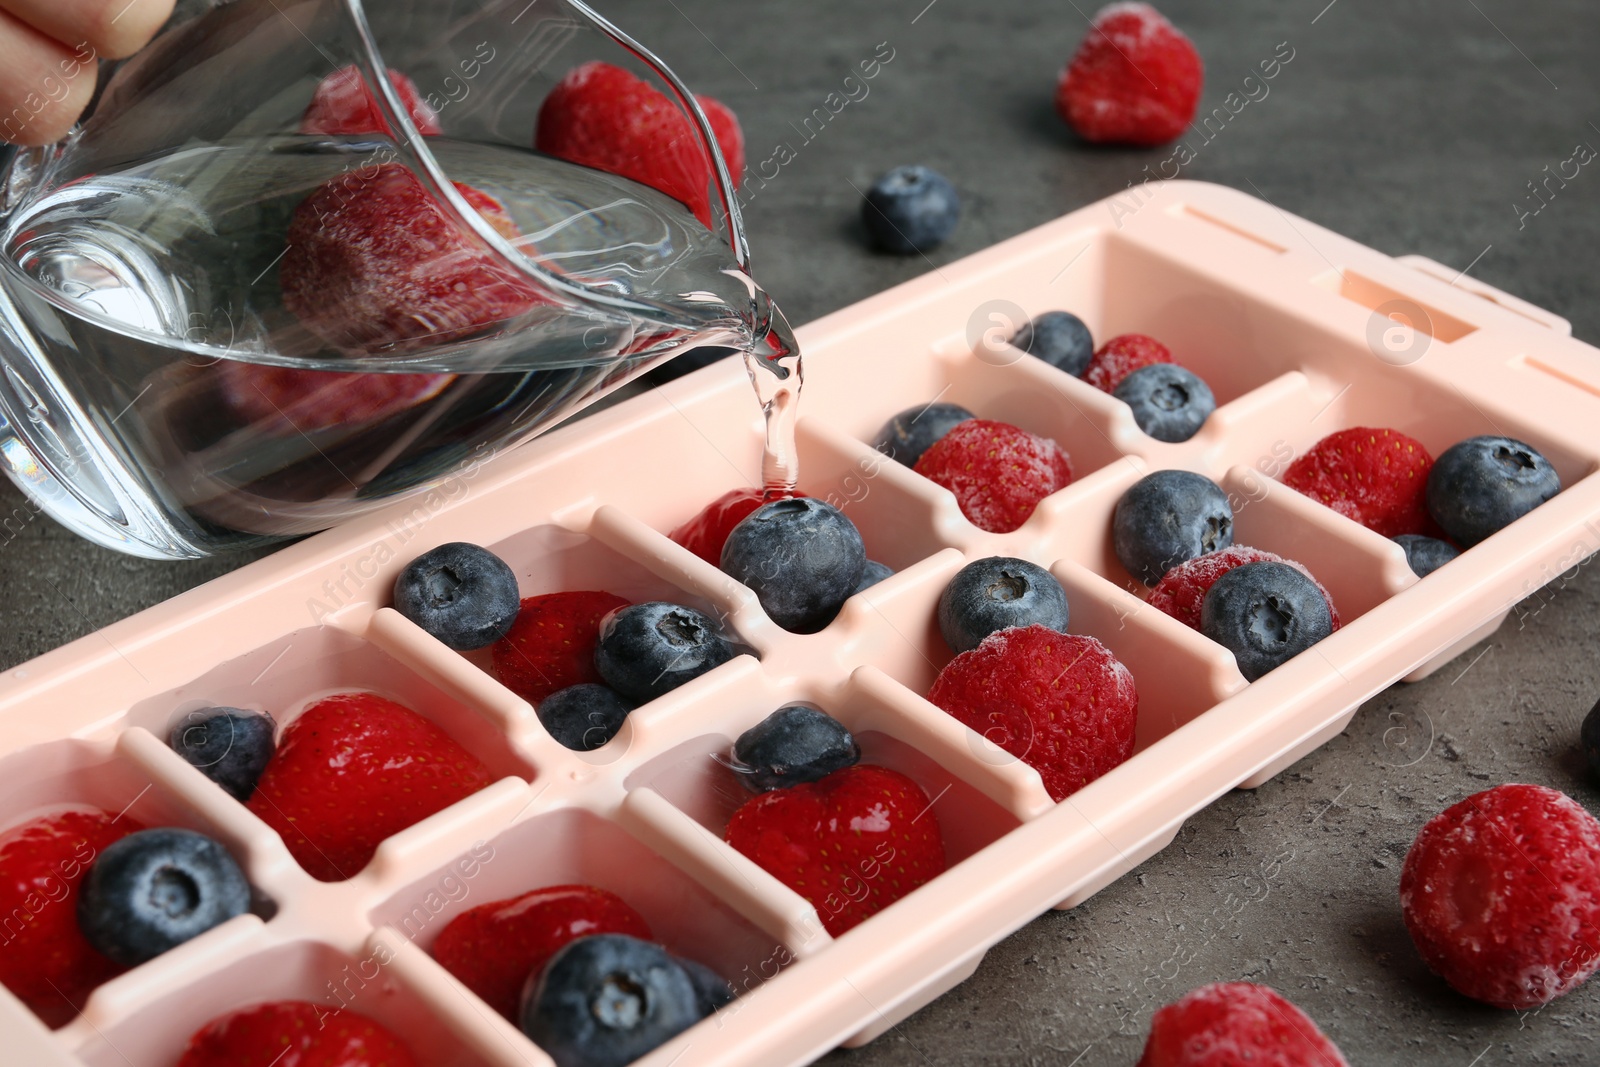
(1426, 554)
(711, 990)
(463, 595)
(802, 558)
(1483, 484)
(606, 1000)
(873, 573)
(1590, 737)
(1264, 613)
(649, 649)
(229, 746)
(1168, 518)
(155, 889)
(910, 209)
(792, 745)
(1059, 338)
(1169, 402)
(584, 716)
(998, 593)
(909, 434)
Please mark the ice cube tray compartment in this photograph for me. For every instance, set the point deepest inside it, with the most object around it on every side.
(1239, 293)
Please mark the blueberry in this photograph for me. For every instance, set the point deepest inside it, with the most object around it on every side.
(802, 558)
(646, 650)
(461, 594)
(909, 434)
(1059, 338)
(910, 209)
(1168, 518)
(1589, 735)
(154, 890)
(792, 745)
(1484, 484)
(583, 717)
(998, 593)
(227, 745)
(1426, 554)
(711, 990)
(606, 1000)
(871, 574)
(1169, 402)
(1264, 613)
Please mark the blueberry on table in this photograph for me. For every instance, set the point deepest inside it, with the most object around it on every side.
(1059, 338)
(998, 593)
(909, 434)
(871, 574)
(230, 746)
(801, 557)
(461, 594)
(794, 744)
(1424, 555)
(1169, 402)
(646, 650)
(583, 717)
(606, 1000)
(1168, 518)
(155, 889)
(910, 209)
(1265, 614)
(1483, 484)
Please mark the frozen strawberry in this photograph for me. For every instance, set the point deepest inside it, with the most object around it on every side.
(603, 117)
(343, 105)
(705, 534)
(1501, 894)
(1134, 79)
(1236, 1024)
(494, 947)
(1377, 477)
(998, 472)
(1182, 590)
(1121, 356)
(281, 400)
(44, 958)
(1061, 703)
(851, 843)
(295, 1033)
(374, 261)
(356, 768)
(551, 645)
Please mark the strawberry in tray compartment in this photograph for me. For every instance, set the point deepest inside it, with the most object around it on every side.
(356, 768)
(1377, 477)
(1121, 356)
(551, 645)
(295, 1033)
(1182, 590)
(707, 532)
(603, 117)
(998, 472)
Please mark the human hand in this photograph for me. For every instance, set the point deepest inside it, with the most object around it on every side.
(50, 52)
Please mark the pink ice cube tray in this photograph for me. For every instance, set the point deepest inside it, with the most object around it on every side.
(1298, 331)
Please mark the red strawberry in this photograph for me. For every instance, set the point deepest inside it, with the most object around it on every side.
(851, 843)
(1236, 1024)
(1377, 477)
(1134, 79)
(295, 1033)
(1061, 703)
(1182, 590)
(997, 472)
(551, 645)
(282, 400)
(354, 769)
(1121, 356)
(44, 958)
(603, 117)
(494, 947)
(344, 105)
(373, 261)
(1501, 894)
(705, 534)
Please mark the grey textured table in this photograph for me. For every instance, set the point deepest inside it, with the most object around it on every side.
(1411, 130)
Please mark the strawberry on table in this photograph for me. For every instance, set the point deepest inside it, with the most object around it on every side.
(1377, 477)
(1232, 1024)
(356, 768)
(44, 958)
(851, 843)
(284, 399)
(551, 645)
(1135, 79)
(295, 1033)
(343, 104)
(494, 947)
